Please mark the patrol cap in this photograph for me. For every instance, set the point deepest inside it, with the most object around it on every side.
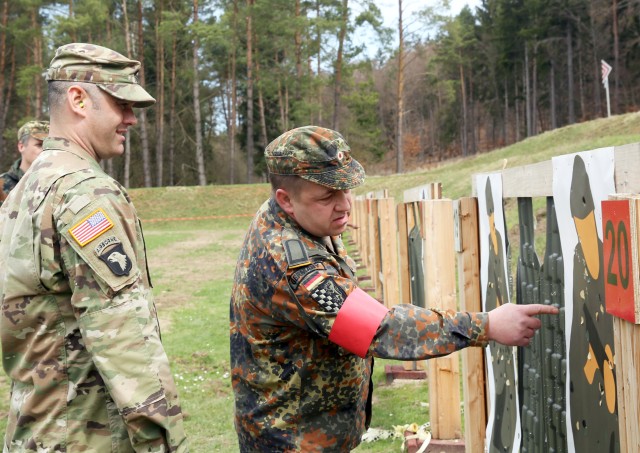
(109, 70)
(316, 154)
(36, 129)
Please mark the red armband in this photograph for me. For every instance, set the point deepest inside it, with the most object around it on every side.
(357, 322)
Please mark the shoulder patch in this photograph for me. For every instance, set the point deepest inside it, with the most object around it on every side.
(329, 295)
(116, 260)
(91, 227)
(312, 280)
(300, 273)
(296, 253)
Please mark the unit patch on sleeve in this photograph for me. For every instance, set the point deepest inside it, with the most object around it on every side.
(91, 227)
(327, 293)
(114, 256)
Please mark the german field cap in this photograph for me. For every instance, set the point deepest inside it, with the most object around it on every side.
(316, 154)
(36, 129)
(112, 72)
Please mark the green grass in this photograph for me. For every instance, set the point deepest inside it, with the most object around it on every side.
(194, 304)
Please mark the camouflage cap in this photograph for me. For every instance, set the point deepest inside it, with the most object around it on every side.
(109, 70)
(316, 154)
(37, 129)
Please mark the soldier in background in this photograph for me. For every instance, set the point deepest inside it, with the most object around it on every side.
(30, 137)
(80, 333)
(303, 334)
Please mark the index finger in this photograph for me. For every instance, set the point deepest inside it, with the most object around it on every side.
(539, 309)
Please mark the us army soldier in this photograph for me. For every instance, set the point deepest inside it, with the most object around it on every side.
(30, 137)
(80, 334)
(303, 334)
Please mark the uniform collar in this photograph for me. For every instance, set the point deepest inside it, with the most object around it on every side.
(15, 171)
(64, 144)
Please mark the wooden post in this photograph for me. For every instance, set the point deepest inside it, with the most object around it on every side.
(366, 232)
(403, 254)
(473, 378)
(440, 292)
(389, 252)
(621, 223)
(627, 365)
(374, 248)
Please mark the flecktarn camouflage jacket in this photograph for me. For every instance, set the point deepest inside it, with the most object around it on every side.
(9, 180)
(295, 390)
(80, 334)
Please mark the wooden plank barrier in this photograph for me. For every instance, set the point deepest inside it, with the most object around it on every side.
(473, 377)
(440, 292)
(536, 180)
(409, 215)
(373, 247)
(621, 250)
(389, 252)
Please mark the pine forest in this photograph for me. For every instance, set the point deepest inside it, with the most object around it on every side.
(229, 76)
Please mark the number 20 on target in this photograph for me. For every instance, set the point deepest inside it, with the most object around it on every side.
(618, 260)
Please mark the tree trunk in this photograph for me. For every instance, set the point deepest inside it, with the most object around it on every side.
(552, 88)
(261, 109)
(127, 143)
(400, 94)
(298, 49)
(534, 91)
(37, 60)
(3, 54)
(202, 179)
(281, 108)
(581, 96)
(319, 67)
(596, 64)
(527, 91)
(144, 138)
(338, 69)
(570, 99)
(505, 122)
(234, 97)
(472, 115)
(72, 34)
(616, 60)
(516, 101)
(172, 111)
(463, 94)
(160, 95)
(250, 146)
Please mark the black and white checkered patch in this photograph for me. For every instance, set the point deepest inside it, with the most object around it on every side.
(329, 296)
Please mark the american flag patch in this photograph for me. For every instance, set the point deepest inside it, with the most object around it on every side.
(313, 281)
(91, 227)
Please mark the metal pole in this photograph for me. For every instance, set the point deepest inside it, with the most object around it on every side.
(606, 89)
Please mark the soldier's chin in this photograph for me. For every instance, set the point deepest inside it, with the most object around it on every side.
(339, 229)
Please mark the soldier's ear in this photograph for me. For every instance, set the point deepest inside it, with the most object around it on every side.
(76, 98)
(284, 200)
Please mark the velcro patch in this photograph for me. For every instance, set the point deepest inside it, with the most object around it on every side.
(300, 273)
(296, 253)
(312, 280)
(329, 295)
(91, 227)
(116, 260)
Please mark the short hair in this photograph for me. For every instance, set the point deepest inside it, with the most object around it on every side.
(24, 139)
(58, 92)
(290, 183)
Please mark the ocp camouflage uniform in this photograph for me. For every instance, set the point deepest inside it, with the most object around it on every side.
(80, 334)
(295, 387)
(9, 180)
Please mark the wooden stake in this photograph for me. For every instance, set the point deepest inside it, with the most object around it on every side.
(440, 292)
(473, 378)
